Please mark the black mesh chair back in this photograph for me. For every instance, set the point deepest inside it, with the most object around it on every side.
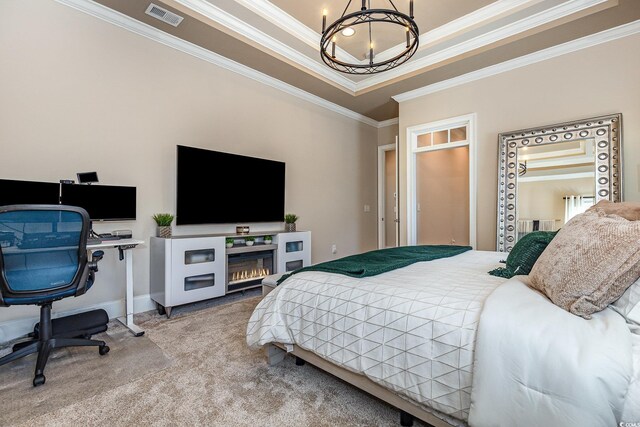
(43, 258)
(43, 254)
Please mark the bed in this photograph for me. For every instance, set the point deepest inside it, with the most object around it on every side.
(453, 346)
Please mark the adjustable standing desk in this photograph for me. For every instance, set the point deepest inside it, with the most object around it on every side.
(124, 247)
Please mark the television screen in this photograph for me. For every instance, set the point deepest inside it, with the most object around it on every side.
(102, 202)
(14, 192)
(221, 188)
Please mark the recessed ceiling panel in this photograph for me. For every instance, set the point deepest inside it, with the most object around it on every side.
(259, 35)
(429, 14)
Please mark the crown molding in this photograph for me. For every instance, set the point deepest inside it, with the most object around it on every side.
(224, 18)
(283, 20)
(276, 16)
(477, 17)
(123, 21)
(612, 34)
(386, 123)
(509, 30)
(291, 25)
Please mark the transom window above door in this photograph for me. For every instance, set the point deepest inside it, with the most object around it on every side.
(439, 137)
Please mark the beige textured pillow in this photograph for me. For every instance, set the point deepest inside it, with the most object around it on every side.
(590, 263)
(628, 210)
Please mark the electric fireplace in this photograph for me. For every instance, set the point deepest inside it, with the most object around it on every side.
(247, 269)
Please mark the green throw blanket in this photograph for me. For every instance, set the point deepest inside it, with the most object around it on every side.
(382, 260)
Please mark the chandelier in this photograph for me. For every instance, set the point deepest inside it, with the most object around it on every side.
(350, 23)
(522, 168)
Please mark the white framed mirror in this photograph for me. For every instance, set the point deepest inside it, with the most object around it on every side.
(549, 174)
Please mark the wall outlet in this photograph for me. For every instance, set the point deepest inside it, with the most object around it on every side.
(334, 249)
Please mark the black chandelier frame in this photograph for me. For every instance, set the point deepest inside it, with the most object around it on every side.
(367, 17)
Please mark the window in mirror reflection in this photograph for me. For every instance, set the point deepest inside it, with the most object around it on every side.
(555, 183)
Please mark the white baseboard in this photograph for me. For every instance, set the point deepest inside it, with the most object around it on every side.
(17, 328)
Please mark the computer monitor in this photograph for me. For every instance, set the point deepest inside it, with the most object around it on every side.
(14, 192)
(102, 202)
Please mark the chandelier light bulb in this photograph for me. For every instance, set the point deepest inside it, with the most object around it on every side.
(324, 19)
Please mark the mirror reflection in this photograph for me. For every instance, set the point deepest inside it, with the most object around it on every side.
(555, 183)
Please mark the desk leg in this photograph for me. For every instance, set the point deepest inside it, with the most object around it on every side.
(128, 319)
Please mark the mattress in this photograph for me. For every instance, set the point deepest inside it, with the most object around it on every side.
(411, 330)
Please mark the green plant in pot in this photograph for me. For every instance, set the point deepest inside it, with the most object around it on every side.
(249, 240)
(229, 242)
(268, 240)
(163, 221)
(290, 222)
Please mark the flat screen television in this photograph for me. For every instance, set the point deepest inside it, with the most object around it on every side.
(13, 192)
(102, 202)
(214, 187)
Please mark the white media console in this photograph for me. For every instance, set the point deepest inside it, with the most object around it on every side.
(186, 269)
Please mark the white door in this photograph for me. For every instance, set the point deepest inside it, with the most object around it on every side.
(441, 182)
(388, 196)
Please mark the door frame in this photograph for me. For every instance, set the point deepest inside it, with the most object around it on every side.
(412, 149)
(382, 150)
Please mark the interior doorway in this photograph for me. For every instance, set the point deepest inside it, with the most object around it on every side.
(441, 182)
(388, 232)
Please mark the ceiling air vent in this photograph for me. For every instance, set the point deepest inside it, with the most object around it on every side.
(164, 15)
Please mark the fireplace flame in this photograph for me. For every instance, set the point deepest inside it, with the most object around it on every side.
(253, 274)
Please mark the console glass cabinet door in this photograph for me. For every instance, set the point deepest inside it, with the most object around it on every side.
(294, 250)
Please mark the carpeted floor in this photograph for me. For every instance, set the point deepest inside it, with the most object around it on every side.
(193, 369)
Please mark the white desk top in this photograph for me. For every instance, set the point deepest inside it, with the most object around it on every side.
(115, 243)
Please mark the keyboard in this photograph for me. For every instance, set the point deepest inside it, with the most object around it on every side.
(102, 238)
(48, 240)
(109, 237)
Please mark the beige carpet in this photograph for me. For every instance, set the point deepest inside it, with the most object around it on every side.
(76, 373)
(206, 376)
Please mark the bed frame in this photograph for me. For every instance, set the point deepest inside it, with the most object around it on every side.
(276, 353)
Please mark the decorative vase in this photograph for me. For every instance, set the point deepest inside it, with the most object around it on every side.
(164, 231)
(249, 243)
(289, 226)
(267, 242)
(229, 245)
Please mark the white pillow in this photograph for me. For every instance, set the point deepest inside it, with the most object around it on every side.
(628, 305)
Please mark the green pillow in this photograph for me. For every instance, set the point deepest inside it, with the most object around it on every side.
(524, 254)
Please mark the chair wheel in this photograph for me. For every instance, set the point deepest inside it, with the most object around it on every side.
(103, 349)
(38, 380)
(161, 310)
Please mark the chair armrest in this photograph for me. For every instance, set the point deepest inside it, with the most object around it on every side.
(95, 258)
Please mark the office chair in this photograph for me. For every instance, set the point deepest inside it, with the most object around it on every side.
(43, 258)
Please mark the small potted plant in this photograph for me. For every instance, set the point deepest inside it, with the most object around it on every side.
(163, 221)
(268, 240)
(290, 222)
(249, 240)
(229, 242)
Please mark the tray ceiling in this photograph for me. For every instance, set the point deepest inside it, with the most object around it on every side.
(280, 38)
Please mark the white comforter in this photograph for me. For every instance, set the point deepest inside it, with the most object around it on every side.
(412, 330)
(538, 365)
